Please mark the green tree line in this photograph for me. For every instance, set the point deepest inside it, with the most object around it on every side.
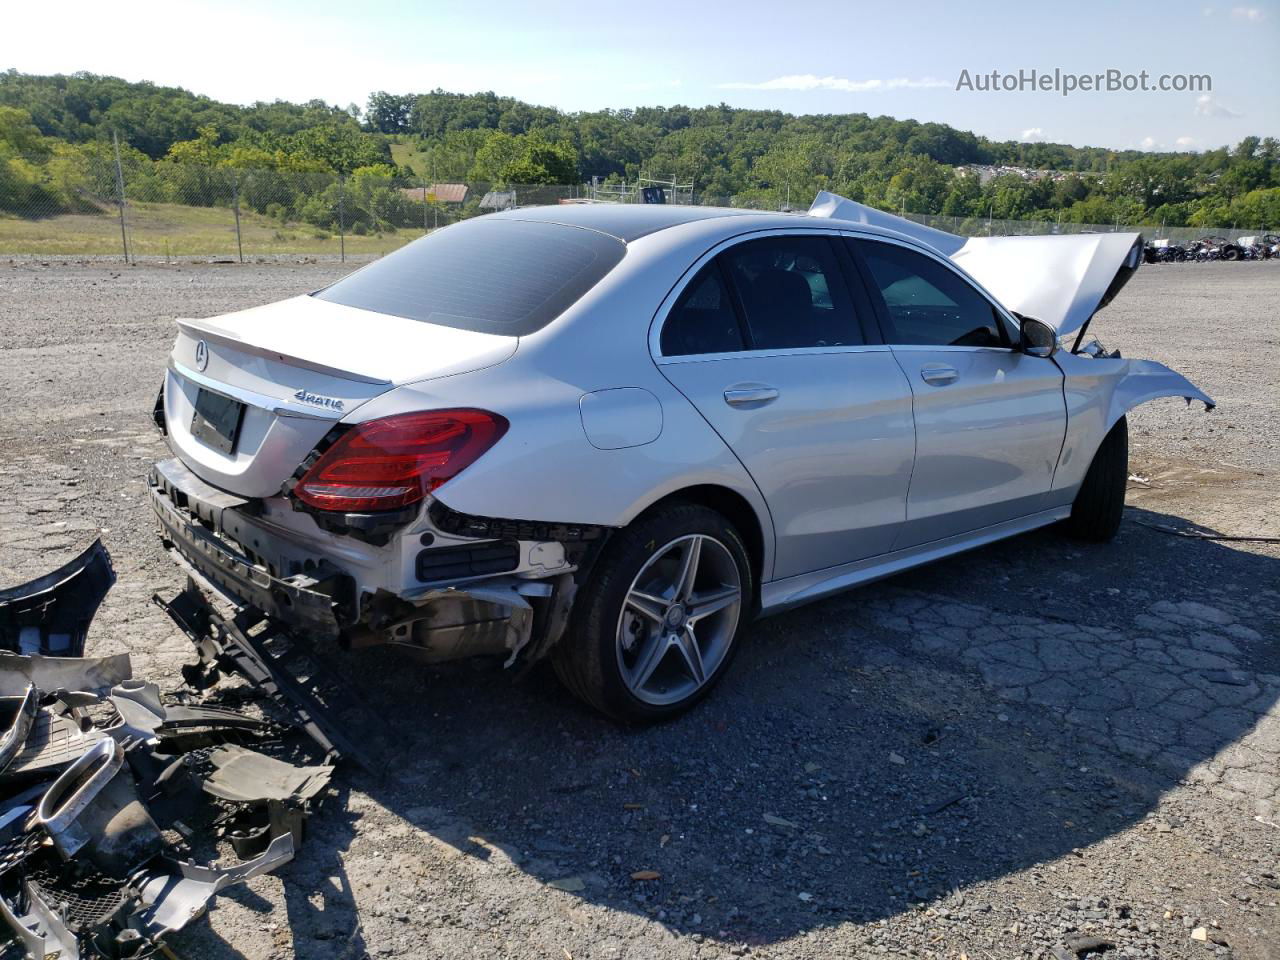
(55, 132)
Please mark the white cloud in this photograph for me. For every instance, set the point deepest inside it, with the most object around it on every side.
(1207, 106)
(1253, 14)
(1186, 143)
(1209, 11)
(1032, 135)
(1148, 143)
(809, 81)
(924, 83)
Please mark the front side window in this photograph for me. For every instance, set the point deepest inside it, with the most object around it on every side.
(792, 293)
(493, 276)
(928, 304)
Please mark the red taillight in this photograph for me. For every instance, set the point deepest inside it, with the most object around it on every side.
(393, 462)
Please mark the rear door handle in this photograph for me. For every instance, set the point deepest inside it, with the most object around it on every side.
(753, 396)
(938, 374)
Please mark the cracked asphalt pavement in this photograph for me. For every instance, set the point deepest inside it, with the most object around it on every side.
(1041, 749)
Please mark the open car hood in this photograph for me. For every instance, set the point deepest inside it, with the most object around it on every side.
(1062, 280)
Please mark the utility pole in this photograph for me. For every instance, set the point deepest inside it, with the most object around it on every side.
(342, 217)
(124, 239)
(235, 205)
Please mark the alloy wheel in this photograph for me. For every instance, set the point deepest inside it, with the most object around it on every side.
(678, 619)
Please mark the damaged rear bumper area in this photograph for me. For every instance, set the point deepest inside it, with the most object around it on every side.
(470, 586)
(196, 524)
(118, 804)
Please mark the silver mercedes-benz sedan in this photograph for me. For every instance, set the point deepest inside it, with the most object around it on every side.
(612, 435)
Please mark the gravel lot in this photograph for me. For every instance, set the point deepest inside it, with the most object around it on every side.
(1037, 741)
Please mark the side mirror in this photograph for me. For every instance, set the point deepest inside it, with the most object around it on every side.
(1037, 338)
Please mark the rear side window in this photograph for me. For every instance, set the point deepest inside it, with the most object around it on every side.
(792, 293)
(703, 320)
(493, 276)
(927, 304)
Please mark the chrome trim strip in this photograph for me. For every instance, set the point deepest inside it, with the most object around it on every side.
(262, 401)
(792, 352)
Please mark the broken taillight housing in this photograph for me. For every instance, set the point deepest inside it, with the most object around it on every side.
(396, 461)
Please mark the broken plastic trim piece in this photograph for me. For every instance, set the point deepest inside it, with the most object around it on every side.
(94, 806)
(175, 896)
(92, 762)
(50, 615)
(90, 674)
(226, 644)
(15, 735)
(243, 776)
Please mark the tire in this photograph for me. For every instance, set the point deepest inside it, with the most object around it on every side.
(626, 651)
(1099, 506)
(1231, 253)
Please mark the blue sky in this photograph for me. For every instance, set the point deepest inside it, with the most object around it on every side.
(902, 59)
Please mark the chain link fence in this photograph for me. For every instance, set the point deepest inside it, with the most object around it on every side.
(90, 203)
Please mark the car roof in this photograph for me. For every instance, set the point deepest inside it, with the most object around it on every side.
(626, 221)
(631, 221)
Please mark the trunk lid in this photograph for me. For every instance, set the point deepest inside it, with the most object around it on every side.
(299, 367)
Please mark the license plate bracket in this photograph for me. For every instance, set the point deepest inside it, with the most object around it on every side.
(216, 420)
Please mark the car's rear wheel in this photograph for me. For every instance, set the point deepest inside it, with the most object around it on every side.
(657, 624)
(1099, 506)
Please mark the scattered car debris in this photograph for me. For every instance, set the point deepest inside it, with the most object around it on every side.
(117, 802)
(50, 615)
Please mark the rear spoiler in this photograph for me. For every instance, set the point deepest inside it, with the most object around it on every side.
(203, 330)
(1062, 280)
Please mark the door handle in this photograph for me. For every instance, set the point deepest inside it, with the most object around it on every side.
(938, 374)
(754, 396)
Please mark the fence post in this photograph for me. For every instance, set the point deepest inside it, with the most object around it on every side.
(342, 216)
(124, 240)
(235, 205)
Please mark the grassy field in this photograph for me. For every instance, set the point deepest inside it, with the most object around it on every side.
(406, 155)
(160, 229)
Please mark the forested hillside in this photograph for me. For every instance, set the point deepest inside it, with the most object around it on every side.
(54, 129)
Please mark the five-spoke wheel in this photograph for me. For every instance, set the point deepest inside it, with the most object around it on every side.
(655, 626)
(679, 619)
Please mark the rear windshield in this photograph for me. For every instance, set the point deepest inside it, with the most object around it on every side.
(493, 276)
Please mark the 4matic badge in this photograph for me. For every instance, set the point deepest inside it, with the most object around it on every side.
(302, 396)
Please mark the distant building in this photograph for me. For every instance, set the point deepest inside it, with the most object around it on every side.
(438, 193)
(498, 200)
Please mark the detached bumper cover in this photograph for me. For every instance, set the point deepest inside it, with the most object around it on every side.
(190, 513)
(50, 615)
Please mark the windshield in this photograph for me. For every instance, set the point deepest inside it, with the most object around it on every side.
(489, 275)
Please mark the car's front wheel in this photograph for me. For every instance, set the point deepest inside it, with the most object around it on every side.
(658, 621)
(1099, 505)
